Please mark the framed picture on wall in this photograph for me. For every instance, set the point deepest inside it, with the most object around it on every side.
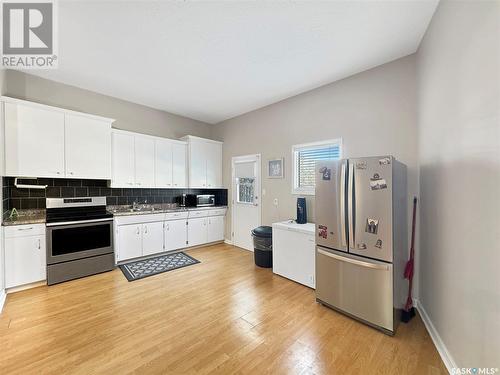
(275, 168)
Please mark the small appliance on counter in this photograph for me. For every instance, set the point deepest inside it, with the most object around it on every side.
(205, 200)
(186, 200)
(301, 211)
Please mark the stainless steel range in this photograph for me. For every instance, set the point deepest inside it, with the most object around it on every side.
(79, 238)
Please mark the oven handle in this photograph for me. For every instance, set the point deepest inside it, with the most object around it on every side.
(78, 222)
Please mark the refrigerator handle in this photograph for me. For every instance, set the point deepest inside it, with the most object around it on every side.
(356, 262)
(342, 204)
(350, 205)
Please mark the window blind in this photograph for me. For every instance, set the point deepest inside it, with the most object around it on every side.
(306, 162)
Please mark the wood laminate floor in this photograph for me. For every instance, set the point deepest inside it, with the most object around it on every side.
(221, 316)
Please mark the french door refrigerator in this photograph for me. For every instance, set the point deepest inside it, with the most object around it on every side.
(361, 238)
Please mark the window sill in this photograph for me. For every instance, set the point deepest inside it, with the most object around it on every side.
(303, 192)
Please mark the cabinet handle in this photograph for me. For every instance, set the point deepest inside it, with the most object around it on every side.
(29, 228)
(145, 229)
(39, 244)
(138, 231)
(138, 183)
(71, 173)
(168, 227)
(58, 172)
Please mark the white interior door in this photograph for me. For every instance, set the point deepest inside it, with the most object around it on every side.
(246, 209)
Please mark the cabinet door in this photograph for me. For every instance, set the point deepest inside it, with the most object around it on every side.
(152, 238)
(163, 163)
(129, 241)
(144, 162)
(179, 165)
(175, 234)
(214, 164)
(215, 228)
(197, 164)
(34, 141)
(197, 231)
(123, 160)
(24, 260)
(88, 147)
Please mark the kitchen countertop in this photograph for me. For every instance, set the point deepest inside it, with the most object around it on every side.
(35, 216)
(308, 228)
(38, 216)
(126, 210)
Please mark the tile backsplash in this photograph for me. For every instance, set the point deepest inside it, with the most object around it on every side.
(64, 187)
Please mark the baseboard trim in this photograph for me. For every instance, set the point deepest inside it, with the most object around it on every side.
(3, 296)
(448, 360)
(229, 242)
(20, 288)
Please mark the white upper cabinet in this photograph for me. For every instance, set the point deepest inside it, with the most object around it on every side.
(34, 141)
(123, 159)
(179, 165)
(44, 141)
(205, 162)
(163, 163)
(144, 162)
(88, 148)
(214, 164)
(170, 163)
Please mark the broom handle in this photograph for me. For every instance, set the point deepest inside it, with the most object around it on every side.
(412, 248)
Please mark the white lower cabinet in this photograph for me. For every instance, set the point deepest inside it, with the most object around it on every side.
(129, 241)
(25, 254)
(152, 238)
(142, 235)
(197, 231)
(215, 228)
(294, 252)
(175, 234)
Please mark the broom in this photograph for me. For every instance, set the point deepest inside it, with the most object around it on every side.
(409, 310)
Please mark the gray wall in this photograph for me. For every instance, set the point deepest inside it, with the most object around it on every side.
(129, 116)
(459, 147)
(2, 84)
(374, 112)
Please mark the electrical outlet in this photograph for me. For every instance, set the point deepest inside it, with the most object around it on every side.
(275, 202)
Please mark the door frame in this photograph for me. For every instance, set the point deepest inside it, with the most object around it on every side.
(241, 159)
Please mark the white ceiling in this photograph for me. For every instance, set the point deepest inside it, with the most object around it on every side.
(215, 60)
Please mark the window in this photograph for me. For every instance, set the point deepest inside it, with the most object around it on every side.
(305, 157)
(245, 190)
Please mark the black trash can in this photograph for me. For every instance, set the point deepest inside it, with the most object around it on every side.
(263, 246)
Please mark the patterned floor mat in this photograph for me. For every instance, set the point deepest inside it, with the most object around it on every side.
(148, 267)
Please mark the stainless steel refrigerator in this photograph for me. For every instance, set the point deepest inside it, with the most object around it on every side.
(361, 238)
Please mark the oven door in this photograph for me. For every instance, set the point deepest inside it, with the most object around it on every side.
(67, 242)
